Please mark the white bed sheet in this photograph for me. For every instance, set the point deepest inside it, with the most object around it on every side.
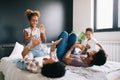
(110, 71)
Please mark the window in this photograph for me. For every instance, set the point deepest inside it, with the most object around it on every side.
(106, 15)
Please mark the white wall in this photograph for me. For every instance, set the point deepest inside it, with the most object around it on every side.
(81, 15)
(82, 19)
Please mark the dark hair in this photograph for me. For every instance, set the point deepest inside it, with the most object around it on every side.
(99, 58)
(89, 29)
(54, 70)
(30, 16)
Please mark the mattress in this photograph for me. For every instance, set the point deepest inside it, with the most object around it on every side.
(109, 71)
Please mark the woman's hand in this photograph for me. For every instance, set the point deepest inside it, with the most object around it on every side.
(53, 46)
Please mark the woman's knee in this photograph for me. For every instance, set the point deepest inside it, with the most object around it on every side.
(73, 37)
(64, 34)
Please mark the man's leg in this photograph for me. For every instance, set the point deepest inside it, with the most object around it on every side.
(61, 47)
(71, 40)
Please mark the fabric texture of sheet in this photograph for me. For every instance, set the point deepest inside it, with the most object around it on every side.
(104, 72)
(109, 71)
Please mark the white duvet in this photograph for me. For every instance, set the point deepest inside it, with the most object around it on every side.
(11, 72)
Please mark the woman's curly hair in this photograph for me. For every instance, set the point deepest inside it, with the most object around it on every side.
(54, 70)
(29, 13)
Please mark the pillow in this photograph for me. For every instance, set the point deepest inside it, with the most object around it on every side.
(16, 53)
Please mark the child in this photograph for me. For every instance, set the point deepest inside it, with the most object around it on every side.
(34, 32)
(90, 43)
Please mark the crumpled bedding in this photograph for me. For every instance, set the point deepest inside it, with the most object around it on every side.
(110, 66)
(89, 74)
(11, 72)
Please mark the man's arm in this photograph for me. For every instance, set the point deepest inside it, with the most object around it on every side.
(66, 57)
(101, 47)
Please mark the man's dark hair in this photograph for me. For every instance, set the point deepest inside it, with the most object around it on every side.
(54, 70)
(89, 29)
(99, 58)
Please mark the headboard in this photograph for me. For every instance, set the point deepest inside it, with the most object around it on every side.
(6, 49)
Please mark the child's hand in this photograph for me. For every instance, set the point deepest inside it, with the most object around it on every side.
(35, 41)
(87, 46)
(31, 36)
(42, 28)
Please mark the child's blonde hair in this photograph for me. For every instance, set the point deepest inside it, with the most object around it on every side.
(29, 13)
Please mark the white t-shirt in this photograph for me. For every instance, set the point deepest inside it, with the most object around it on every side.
(92, 42)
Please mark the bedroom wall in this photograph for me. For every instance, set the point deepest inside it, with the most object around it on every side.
(56, 15)
(81, 15)
(82, 11)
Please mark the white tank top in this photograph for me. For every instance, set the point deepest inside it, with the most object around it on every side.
(39, 49)
(35, 34)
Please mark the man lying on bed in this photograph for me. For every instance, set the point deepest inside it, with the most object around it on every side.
(66, 52)
(93, 58)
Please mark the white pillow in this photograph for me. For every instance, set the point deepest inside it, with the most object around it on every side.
(17, 51)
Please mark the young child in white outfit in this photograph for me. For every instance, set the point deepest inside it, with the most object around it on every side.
(90, 43)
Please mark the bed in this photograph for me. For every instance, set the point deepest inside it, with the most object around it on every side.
(109, 71)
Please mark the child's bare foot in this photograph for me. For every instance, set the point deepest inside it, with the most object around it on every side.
(57, 41)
